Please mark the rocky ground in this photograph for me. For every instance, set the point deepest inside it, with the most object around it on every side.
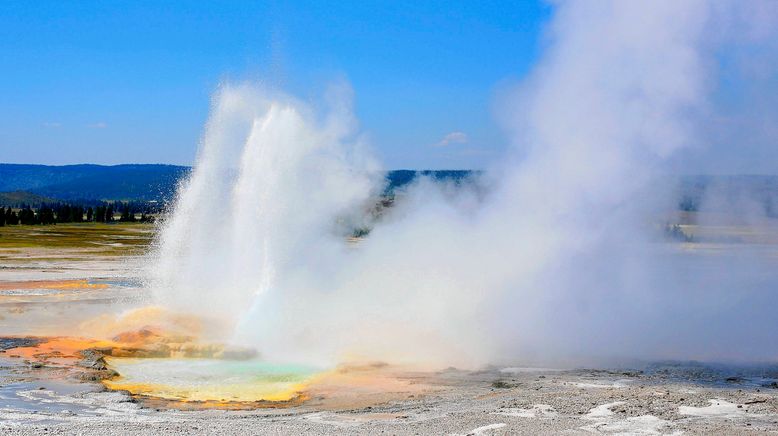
(36, 401)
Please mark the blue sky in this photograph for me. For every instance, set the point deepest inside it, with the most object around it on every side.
(130, 81)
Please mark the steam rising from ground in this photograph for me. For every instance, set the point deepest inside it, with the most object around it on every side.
(555, 263)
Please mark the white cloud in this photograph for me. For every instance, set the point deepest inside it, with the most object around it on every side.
(100, 125)
(452, 138)
(52, 125)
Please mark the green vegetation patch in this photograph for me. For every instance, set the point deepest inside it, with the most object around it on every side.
(105, 238)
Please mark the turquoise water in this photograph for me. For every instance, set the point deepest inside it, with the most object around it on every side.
(210, 379)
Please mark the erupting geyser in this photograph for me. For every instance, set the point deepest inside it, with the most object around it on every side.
(272, 191)
(554, 264)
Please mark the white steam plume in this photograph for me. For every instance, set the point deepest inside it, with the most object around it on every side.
(555, 264)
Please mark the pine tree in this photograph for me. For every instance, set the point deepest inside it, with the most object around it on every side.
(125, 212)
(46, 215)
(89, 214)
(13, 218)
(27, 216)
(67, 213)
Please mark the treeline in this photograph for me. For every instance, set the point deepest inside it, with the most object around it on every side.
(67, 213)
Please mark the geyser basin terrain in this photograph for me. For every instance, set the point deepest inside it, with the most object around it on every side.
(209, 380)
(559, 259)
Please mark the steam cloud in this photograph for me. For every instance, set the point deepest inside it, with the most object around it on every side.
(556, 263)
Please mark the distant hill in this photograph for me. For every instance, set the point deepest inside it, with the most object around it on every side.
(727, 192)
(33, 184)
(93, 182)
(19, 198)
(397, 179)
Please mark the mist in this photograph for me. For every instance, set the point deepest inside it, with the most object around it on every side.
(552, 256)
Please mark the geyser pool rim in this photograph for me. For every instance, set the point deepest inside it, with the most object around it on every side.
(210, 380)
